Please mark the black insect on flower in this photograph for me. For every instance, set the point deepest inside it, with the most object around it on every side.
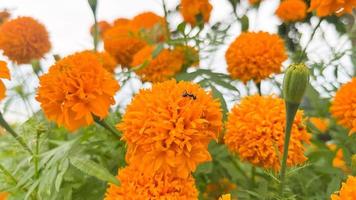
(190, 95)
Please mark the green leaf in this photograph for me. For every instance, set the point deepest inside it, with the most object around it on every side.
(217, 94)
(93, 169)
(157, 50)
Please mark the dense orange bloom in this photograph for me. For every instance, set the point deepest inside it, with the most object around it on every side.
(292, 10)
(347, 191)
(344, 104)
(168, 128)
(192, 9)
(24, 39)
(75, 88)
(103, 26)
(255, 132)
(3, 195)
(164, 66)
(258, 61)
(137, 186)
(191, 55)
(329, 7)
(122, 44)
(4, 73)
(320, 123)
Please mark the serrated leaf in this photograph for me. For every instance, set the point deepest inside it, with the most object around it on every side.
(93, 169)
(217, 94)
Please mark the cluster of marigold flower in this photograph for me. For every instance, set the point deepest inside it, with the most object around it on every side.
(168, 128)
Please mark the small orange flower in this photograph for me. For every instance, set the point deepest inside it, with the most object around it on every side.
(103, 26)
(3, 195)
(255, 132)
(24, 39)
(122, 44)
(292, 10)
(164, 66)
(329, 7)
(138, 186)
(214, 190)
(168, 128)
(4, 73)
(339, 162)
(347, 191)
(343, 106)
(76, 88)
(150, 26)
(192, 9)
(320, 123)
(258, 61)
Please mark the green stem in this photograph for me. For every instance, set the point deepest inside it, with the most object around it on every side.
(258, 85)
(166, 19)
(8, 174)
(253, 175)
(96, 33)
(36, 156)
(291, 110)
(18, 138)
(310, 39)
(105, 125)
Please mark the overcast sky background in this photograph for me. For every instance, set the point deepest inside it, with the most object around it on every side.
(68, 23)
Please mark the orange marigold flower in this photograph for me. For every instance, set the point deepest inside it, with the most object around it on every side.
(164, 66)
(343, 106)
(103, 26)
(347, 191)
(122, 44)
(121, 21)
(4, 73)
(24, 39)
(193, 9)
(150, 26)
(214, 190)
(292, 10)
(136, 185)
(3, 195)
(339, 161)
(76, 88)
(329, 7)
(168, 128)
(255, 132)
(258, 61)
(321, 124)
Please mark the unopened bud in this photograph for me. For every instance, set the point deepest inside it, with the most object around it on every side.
(93, 4)
(295, 83)
(36, 66)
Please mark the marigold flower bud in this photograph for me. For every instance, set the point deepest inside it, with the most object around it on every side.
(295, 83)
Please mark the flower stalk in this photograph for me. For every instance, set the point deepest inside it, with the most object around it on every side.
(108, 127)
(17, 137)
(93, 5)
(294, 85)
